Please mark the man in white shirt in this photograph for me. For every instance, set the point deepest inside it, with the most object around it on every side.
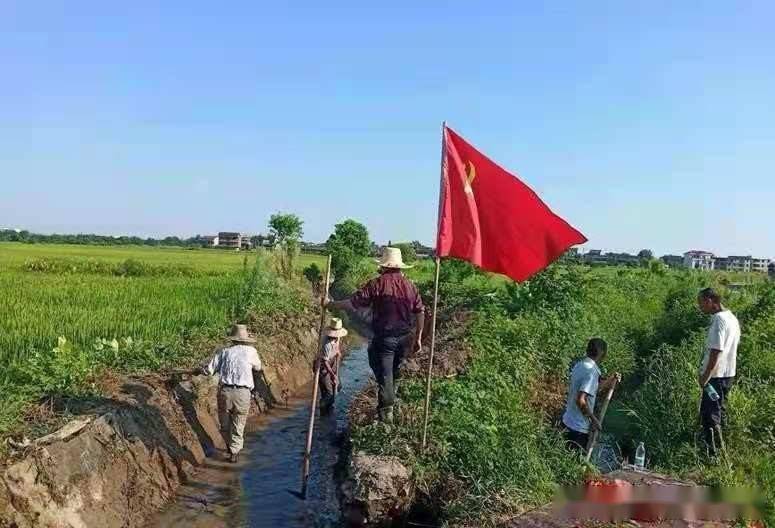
(719, 366)
(235, 365)
(579, 417)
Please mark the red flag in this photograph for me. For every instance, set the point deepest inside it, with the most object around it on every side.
(488, 217)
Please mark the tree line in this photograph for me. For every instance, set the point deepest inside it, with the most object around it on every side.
(90, 239)
(11, 235)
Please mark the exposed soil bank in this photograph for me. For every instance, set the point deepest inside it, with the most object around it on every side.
(126, 456)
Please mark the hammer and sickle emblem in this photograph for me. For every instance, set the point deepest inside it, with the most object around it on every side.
(470, 175)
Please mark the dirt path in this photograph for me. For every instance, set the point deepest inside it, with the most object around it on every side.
(262, 490)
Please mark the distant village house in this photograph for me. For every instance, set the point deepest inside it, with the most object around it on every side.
(229, 240)
(702, 260)
(695, 259)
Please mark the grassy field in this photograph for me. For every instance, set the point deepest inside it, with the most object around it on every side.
(41, 307)
(69, 311)
(44, 299)
(496, 447)
(14, 255)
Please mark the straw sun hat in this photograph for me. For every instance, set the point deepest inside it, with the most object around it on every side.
(392, 258)
(335, 328)
(239, 334)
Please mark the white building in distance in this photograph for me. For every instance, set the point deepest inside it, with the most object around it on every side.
(702, 260)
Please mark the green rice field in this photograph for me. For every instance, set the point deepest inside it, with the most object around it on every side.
(90, 302)
(68, 311)
(14, 255)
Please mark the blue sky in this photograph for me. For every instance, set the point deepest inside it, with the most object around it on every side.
(645, 124)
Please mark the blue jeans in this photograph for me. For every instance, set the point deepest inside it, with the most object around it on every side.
(385, 355)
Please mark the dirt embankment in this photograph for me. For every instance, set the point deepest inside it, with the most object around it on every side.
(124, 455)
(379, 490)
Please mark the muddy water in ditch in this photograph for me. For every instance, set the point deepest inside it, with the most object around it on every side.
(262, 490)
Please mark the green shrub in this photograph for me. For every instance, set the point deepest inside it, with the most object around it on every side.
(489, 430)
(664, 409)
(128, 268)
(62, 371)
(357, 274)
(408, 253)
(315, 277)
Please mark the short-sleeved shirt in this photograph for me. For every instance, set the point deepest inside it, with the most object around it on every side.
(584, 377)
(723, 335)
(235, 365)
(330, 350)
(394, 302)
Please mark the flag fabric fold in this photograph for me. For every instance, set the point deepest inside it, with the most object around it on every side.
(490, 218)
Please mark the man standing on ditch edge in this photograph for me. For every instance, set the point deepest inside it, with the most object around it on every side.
(395, 302)
(718, 368)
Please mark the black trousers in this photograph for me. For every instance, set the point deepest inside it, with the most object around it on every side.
(713, 414)
(385, 355)
(575, 440)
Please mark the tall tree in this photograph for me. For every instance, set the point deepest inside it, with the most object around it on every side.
(348, 244)
(645, 254)
(287, 229)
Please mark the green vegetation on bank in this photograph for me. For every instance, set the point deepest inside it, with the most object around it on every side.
(68, 313)
(495, 445)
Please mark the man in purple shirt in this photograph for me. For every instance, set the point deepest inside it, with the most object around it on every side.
(397, 309)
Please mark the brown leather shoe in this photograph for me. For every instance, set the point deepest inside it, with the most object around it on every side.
(233, 458)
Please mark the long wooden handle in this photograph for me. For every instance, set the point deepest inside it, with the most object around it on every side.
(336, 373)
(315, 382)
(603, 409)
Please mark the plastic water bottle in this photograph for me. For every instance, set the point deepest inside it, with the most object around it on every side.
(640, 456)
(711, 392)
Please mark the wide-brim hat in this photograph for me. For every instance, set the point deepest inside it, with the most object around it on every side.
(392, 259)
(239, 334)
(335, 328)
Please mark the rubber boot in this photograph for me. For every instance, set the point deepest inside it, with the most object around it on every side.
(386, 415)
(712, 449)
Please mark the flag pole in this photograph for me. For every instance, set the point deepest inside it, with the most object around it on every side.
(315, 383)
(435, 305)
